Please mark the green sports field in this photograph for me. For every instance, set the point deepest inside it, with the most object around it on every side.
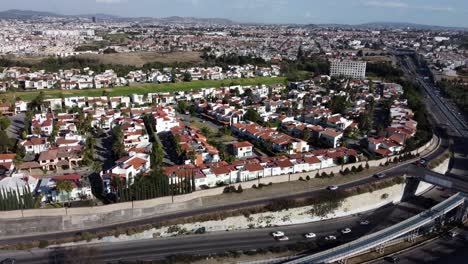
(148, 88)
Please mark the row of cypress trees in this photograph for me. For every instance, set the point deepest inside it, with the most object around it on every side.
(15, 199)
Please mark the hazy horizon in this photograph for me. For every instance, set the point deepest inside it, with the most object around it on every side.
(430, 12)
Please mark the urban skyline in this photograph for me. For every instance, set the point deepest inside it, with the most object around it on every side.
(443, 13)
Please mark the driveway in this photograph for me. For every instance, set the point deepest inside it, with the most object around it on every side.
(17, 126)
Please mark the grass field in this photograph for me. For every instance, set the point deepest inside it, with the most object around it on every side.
(147, 88)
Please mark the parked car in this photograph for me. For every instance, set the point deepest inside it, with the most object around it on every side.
(332, 188)
(380, 175)
(346, 230)
(329, 238)
(310, 235)
(277, 234)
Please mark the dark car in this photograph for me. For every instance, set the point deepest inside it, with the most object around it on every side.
(201, 230)
(392, 259)
(8, 261)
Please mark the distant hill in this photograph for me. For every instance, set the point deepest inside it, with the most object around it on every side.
(405, 25)
(28, 14)
(24, 14)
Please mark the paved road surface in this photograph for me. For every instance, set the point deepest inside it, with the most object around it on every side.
(238, 240)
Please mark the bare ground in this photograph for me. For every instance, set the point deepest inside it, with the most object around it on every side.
(140, 58)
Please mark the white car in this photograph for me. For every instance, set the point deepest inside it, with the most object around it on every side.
(346, 230)
(328, 238)
(310, 235)
(380, 175)
(332, 188)
(283, 238)
(364, 222)
(278, 234)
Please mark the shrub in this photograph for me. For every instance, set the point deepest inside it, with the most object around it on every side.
(384, 196)
(353, 169)
(254, 186)
(324, 175)
(367, 165)
(270, 184)
(239, 189)
(317, 175)
(43, 244)
(332, 174)
(301, 179)
(88, 236)
(346, 171)
(308, 178)
(386, 163)
(360, 168)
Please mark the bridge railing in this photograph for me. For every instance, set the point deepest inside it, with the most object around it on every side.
(384, 235)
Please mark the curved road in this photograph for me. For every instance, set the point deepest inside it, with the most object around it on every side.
(219, 242)
(392, 172)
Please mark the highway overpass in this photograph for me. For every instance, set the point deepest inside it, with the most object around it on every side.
(373, 241)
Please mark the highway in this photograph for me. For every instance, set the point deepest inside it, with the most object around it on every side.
(393, 172)
(220, 242)
(239, 240)
(443, 111)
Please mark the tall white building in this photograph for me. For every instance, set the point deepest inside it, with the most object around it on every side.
(349, 68)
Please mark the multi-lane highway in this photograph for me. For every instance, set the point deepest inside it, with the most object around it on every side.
(220, 242)
(443, 111)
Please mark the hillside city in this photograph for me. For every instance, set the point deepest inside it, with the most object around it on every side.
(91, 117)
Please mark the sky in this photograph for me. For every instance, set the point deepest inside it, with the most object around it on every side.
(429, 12)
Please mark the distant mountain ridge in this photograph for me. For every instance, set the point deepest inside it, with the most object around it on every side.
(29, 14)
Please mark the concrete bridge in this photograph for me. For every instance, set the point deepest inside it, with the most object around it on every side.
(406, 229)
(409, 227)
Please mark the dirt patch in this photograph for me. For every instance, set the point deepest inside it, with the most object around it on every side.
(140, 58)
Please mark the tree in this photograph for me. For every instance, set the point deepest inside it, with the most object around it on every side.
(64, 186)
(252, 115)
(187, 77)
(4, 123)
(182, 107)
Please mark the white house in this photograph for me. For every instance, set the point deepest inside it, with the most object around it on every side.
(242, 149)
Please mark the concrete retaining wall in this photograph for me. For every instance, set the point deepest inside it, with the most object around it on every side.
(55, 220)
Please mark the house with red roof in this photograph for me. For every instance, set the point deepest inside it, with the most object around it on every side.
(242, 149)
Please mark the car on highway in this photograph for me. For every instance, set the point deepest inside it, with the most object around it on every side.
(310, 235)
(282, 238)
(421, 163)
(329, 238)
(346, 230)
(392, 259)
(332, 188)
(379, 175)
(277, 234)
(364, 222)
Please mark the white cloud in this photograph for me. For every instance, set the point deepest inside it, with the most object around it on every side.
(395, 4)
(387, 4)
(108, 1)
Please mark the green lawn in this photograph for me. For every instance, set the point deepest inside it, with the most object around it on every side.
(150, 88)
